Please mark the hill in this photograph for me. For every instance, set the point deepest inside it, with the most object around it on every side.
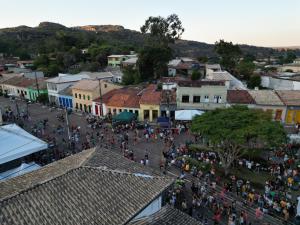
(48, 37)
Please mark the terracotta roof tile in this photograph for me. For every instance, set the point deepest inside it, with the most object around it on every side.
(87, 85)
(239, 97)
(151, 96)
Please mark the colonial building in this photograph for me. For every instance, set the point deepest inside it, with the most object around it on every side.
(65, 98)
(150, 104)
(202, 95)
(269, 101)
(291, 100)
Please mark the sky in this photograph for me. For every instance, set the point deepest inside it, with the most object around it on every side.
(272, 23)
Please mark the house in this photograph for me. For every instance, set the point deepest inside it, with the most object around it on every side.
(202, 95)
(150, 104)
(84, 188)
(184, 67)
(240, 97)
(210, 68)
(269, 101)
(6, 76)
(130, 62)
(117, 101)
(116, 60)
(231, 81)
(291, 100)
(293, 67)
(65, 98)
(85, 91)
(39, 87)
(281, 81)
(59, 83)
(168, 104)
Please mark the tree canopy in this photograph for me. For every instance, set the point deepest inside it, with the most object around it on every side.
(229, 54)
(232, 131)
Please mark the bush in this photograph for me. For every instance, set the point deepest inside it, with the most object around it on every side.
(196, 75)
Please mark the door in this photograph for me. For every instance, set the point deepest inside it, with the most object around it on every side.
(96, 109)
(290, 116)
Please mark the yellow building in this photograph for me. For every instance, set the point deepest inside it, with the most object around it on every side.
(291, 100)
(150, 104)
(84, 91)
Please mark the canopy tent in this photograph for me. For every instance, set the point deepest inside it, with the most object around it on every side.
(22, 169)
(163, 121)
(124, 117)
(16, 143)
(187, 114)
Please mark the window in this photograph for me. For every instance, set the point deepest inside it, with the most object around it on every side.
(25, 92)
(18, 91)
(105, 85)
(146, 114)
(196, 99)
(217, 99)
(75, 95)
(154, 115)
(185, 98)
(79, 96)
(80, 106)
(88, 97)
(90, 109)
(120, 110)
(206, 98)
(83, 96)
(278, 114)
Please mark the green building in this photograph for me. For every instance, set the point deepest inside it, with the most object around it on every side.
(33, 91)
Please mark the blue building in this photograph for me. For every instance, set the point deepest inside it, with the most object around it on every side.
(65, 98)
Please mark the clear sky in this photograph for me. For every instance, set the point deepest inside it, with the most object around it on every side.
(257, 22)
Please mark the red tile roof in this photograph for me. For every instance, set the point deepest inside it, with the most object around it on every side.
(124, 97)
(239, 97)
(151, 96)
(289, 97)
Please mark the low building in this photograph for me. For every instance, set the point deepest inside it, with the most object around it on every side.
(117, 101)
(210, 68)
(130, 62)
(85, 91)
(150, 104)
(202, 95)
(231, 81)
(284, 81)
(117, 60)
(184, 67)
(240, 97)
(292, 67)
(83, 187)
(269, 101)
(291, 100)
(59, 83)
(65, 98)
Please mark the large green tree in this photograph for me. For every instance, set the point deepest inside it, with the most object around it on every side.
(245, 69)
(233, 131)
(229, 53)
(156, 53)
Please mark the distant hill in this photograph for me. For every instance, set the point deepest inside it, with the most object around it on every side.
(43, 38)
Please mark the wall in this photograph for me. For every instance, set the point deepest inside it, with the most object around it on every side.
(84, 98)
(292, 115)
(203, 91)
(151, 108)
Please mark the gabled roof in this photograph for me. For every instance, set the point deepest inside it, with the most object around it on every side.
(86, 85)
(91, 187)
(265, 97)
(289, 98)
(84, 195)
(239, 97)
(201, 83)
(20, 82)
(167, 216)
(151, 96)
(220, 75)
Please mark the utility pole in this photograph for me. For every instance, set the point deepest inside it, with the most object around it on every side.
(37, 84)
(17, 107)
(100, 94)
(68, 127)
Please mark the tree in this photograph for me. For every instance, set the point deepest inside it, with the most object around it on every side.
(233, 131)
(203, 59)
(196, 75)
(254, 81)
(130, 76)
(245, 69)
(163, 30)
(42, 98)
(229, 54)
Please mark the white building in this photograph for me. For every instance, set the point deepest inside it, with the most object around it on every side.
(59, 83)
(286, 81)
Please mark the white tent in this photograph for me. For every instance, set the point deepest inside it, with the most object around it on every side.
(16, 143)
(22, 169)
(187, 114)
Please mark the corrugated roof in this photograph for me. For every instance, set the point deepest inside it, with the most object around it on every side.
(265, 97)
(65, 78)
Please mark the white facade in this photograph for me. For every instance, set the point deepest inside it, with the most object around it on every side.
(279, 83)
